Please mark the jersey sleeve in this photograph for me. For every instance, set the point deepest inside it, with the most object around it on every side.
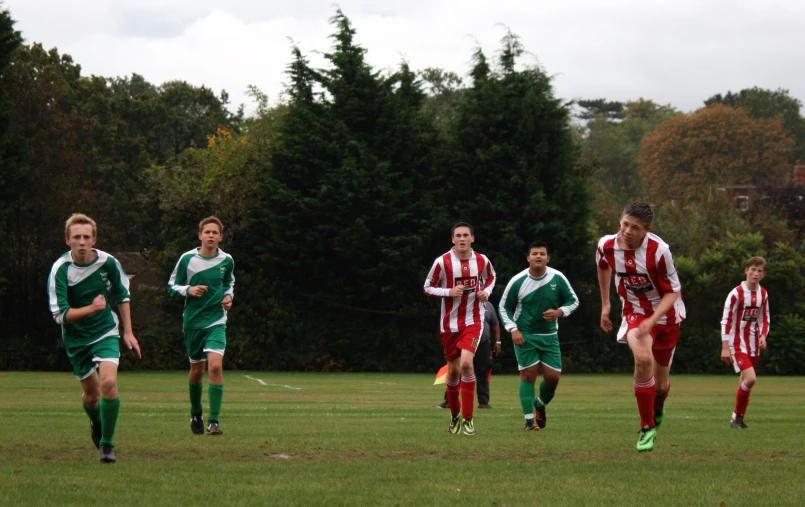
(489, 278)
(570, 301)
(177, 284)
(118, 280)
(229, 280)
(508, 305)
(600, 258)
(57, 294)
(728, 316)
(433, 280)
(765, 320)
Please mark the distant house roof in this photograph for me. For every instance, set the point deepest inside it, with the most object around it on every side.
(799, 173)
(133, 263)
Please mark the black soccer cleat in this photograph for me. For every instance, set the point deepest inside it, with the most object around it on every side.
(108, 453)
(95, 431)
(738, 423)
(213, 428)
(197, 424)
(539, 414)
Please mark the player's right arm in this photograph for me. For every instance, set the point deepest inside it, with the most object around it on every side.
(178, 284)
(60, 307)
(604, 283)
(728, 325)
(434, 281)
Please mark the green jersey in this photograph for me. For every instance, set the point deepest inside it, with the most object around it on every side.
(216, 273)
(73, 285)
(526, 298)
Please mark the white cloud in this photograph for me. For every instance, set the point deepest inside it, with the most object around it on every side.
(677, 52)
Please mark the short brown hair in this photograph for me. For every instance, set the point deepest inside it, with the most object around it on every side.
(640, 211)
(79, 219)
(211, 220)
(756, 261)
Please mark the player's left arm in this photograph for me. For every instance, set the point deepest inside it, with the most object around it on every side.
(765, 322)
(489, 282)
(121, 296)
(667, 282)
(128, 334)
(229, 286)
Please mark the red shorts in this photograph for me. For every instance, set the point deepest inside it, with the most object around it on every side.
(743, 361)
(466, 339)
(665, 337)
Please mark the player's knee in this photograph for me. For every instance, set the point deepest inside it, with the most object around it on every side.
(92, 398)
(466, 368)
(109, 387)
(216, 369)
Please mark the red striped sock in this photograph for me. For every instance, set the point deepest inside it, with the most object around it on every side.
(453, 400)
(467, 395)
(742, 399)
(644, 392)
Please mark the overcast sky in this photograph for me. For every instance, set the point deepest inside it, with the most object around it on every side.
(676, 52)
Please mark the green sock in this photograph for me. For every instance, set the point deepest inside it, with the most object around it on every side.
(93, 413)
(545, 394)
(527, 397)
(195, 398)
(216, 394)
(109, 411)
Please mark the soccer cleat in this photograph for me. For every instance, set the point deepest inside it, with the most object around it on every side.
(530, 426)
(95, 431)
(213, 428)
(468, 427)
(197, 424)
(455, 424)
(442, 405)
(107, 453)
(646, 440)
(539, 414)
(659, 416)
(737, 423)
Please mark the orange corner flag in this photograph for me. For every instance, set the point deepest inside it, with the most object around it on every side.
(441, 375)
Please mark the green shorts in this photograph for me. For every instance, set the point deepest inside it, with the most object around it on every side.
(84, 358)
(201, 341)
(539, 349)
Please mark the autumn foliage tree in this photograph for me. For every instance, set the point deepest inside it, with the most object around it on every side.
(716, 145)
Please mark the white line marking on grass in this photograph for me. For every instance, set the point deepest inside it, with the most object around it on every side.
(274, 385)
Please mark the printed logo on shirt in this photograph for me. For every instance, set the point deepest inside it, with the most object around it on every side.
(553, 286)
(636, 282)
(470, 283)
(751, 313)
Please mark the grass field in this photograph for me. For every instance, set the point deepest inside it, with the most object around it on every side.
(377, 439)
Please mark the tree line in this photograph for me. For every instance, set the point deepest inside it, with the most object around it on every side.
(336, 200)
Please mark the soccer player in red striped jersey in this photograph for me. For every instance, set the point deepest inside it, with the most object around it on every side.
(649, 289)
(464, 280)
(744, 327)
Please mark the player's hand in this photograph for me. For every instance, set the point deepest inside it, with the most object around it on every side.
(483, 297)
(726, 357)
(517, 337)
(197, 291)
(457, 291)
(496, 350)
(98, 304)
(647, 325)
(606, 324)
(761, 342)
(132, 343)
(550, 315)
(227, 302)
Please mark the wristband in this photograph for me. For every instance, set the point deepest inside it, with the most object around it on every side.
(497, 343)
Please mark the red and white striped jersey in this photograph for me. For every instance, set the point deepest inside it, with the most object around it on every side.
(475, 274)
(643, 276)
(746, 318)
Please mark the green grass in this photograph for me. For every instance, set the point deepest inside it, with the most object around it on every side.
(376, 439)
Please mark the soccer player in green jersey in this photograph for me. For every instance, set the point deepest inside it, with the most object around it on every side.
(79, 284)
(533, 302)
(204, 278)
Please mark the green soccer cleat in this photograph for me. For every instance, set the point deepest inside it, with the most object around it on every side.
(467, 427)
(646, 440)
(659, 417)
(455, 424)
(539, 414)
